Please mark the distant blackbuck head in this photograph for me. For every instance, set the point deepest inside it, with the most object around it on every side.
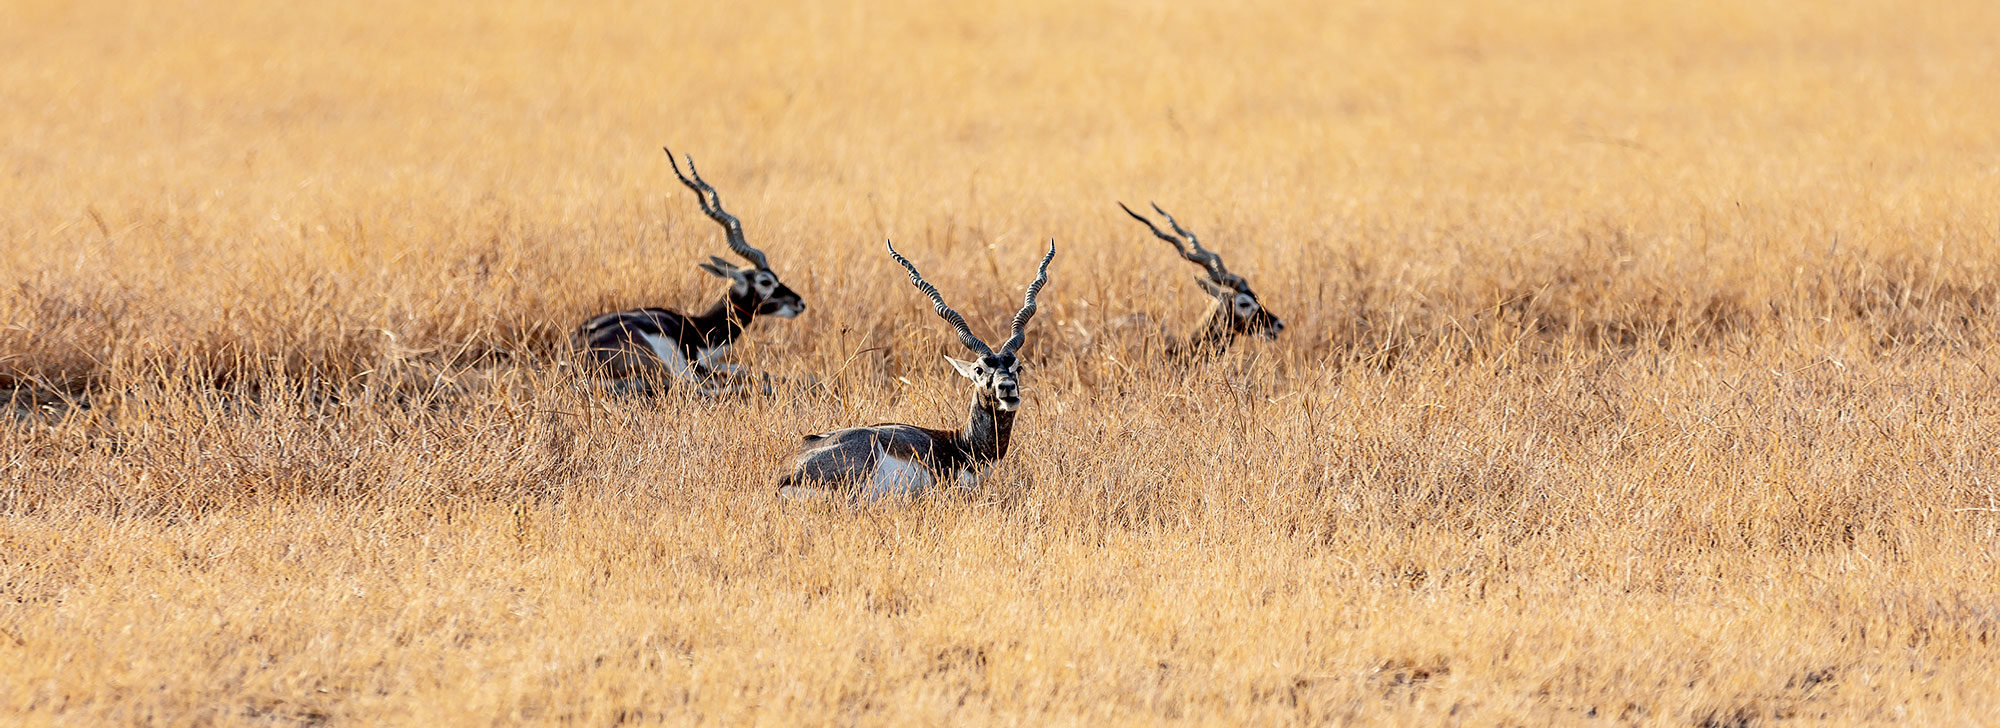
(642, 349)
(887, 460)
(1237, 310)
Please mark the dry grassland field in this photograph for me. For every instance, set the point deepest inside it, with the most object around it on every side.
(1639, 365)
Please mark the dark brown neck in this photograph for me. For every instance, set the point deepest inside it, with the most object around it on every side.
(1211, 339)
(987, 430)
(983, 440)
(725, 320)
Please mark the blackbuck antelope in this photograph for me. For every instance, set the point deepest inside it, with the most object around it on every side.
(641, 349)
(888, 460)
(1237, 310)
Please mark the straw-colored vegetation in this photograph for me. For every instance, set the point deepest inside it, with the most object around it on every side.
(1640, 362)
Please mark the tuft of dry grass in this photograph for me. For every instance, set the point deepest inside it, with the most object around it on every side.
(1639, 366)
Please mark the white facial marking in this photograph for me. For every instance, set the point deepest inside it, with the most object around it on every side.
(766, 284)
(895, 477)
(785, 311)
(965, 369)
(669, 352)
(1245, 305)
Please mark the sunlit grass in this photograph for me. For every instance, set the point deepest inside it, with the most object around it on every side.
(1639, 363)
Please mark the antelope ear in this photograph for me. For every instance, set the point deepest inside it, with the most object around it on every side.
(1215, 290)
(965, 368)
(739, 280)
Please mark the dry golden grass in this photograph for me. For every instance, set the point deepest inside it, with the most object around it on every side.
(1640, 363)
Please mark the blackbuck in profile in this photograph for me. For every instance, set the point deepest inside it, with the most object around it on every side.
(642, 349)
(1237, 310)
(888, 460)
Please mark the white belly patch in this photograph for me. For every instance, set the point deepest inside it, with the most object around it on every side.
(669, 352)
(970, 476)
(896, 477)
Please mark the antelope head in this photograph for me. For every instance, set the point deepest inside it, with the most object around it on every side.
(995, 375)
(755, 288)
(1236, 304)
